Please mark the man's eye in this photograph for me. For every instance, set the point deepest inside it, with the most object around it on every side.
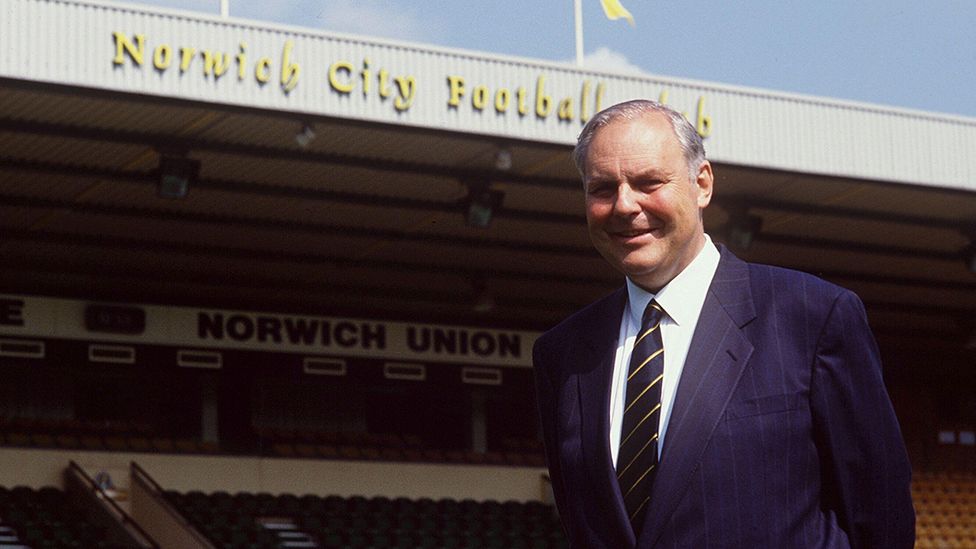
(601, 190)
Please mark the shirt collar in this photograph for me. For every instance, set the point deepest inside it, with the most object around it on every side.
(681, 298)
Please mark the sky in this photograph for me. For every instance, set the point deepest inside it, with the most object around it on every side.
(900, 53)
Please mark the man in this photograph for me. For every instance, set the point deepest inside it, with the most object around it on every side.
(709, 402)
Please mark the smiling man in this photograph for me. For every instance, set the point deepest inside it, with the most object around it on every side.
(709, 402)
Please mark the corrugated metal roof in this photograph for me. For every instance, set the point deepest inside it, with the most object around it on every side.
(503, 98)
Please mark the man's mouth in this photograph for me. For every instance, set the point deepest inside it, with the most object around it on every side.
(630, 234)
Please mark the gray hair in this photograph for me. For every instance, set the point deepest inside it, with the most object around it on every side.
(688, 138)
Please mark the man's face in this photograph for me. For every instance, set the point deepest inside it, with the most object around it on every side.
(642, 208)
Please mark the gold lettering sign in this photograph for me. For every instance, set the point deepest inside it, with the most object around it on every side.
(537, 100)
(213, 64)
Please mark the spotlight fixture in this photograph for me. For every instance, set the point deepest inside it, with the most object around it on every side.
(971, 342)
(966, 321)
(482, 203)
(969, 252)
(971, 259)
(484, 300)
(176, 175)
(503, 160)
(305, 136)
(743, 229)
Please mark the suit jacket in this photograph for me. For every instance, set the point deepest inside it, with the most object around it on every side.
(781, 433)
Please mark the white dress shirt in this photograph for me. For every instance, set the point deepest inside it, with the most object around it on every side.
(682, 301)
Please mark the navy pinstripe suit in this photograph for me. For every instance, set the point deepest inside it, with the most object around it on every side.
(781, 435)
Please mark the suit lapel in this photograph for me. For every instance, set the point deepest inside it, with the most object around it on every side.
(718, 355)
(596, 358)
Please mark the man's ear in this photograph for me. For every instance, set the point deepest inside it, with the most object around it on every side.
(704, 183)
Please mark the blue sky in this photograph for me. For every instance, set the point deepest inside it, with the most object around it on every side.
(919, 55)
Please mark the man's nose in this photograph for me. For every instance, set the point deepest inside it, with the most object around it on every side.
(627, 201)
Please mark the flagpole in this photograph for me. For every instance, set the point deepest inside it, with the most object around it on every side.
(578, 10)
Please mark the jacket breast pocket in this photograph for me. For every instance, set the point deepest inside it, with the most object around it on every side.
(764, 405)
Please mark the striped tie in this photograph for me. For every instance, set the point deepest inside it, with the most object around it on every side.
(637, 455)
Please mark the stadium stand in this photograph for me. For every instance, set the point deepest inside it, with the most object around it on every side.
(945, 502)
(261, 520)
(368, 226)
(50, 517)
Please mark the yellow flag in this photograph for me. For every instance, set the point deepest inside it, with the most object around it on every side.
(615, 10)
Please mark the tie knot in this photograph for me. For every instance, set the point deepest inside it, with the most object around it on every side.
(652, 314)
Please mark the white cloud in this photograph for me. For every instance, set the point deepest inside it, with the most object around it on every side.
(380, 18)
(605, 59)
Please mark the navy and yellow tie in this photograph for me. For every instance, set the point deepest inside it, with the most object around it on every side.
(637, 455)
